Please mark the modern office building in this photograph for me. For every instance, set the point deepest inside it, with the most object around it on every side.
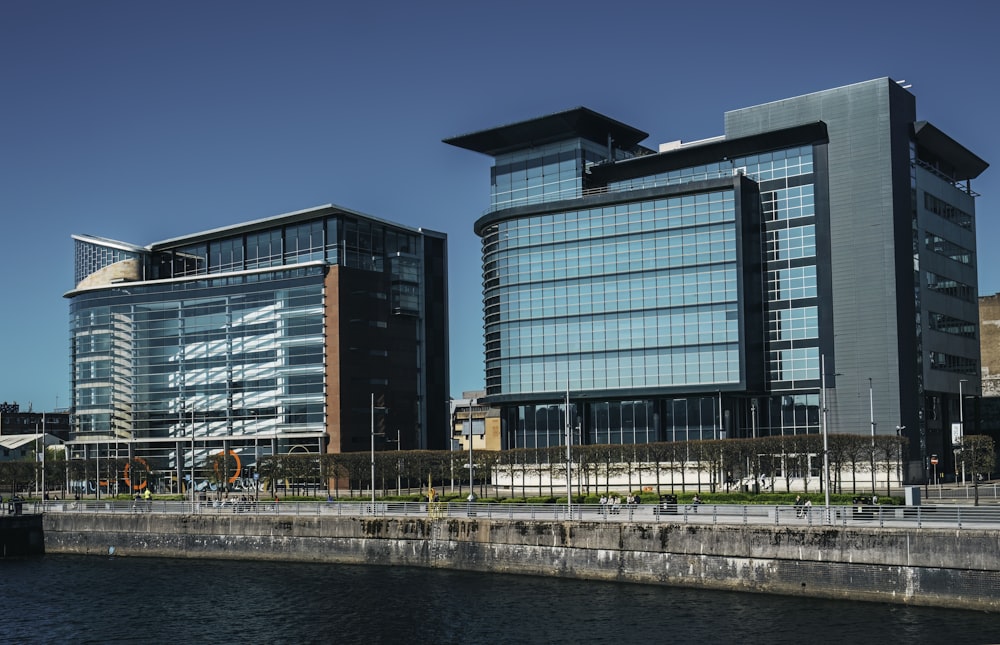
(818, 254)
(266, 337)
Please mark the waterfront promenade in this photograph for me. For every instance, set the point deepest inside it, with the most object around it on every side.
(888, 555)
(958, 516)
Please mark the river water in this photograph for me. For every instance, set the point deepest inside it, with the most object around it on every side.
(88, 599)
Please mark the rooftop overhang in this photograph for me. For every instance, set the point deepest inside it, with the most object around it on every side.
(245, 227)
(271, 222)
(714, 151)
(109, 243)
(577, 122)
(966, 164)
(123, 287)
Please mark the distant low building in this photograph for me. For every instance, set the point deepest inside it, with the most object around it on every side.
(20, 447)
(470, 412)
(987, 417)
(15, 422)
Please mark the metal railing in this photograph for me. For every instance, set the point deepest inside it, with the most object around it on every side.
(936, 516)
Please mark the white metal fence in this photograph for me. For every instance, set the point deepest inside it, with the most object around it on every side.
(937, 516)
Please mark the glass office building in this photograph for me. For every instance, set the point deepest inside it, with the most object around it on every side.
(262, 338)
(699, 290)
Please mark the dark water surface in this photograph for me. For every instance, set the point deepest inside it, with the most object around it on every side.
(79, 599)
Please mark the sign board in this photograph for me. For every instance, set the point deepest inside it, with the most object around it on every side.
(256, 476)
(956, 434)
(934, 460)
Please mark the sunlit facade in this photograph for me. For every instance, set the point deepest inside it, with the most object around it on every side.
(263, 338)
(696, 291)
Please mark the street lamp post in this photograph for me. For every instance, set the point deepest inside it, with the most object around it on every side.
(899, 453)
(452, 425)
(826, 450)
(753, 426)
(374, 434)
(871, 413)
(569, 460)
(472, 493)
(823, 423)
(43, 460)
(192, 459)
(961, 428)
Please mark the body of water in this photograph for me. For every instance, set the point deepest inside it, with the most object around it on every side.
(88, 599)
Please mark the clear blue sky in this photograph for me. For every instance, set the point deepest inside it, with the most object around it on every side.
(143, 121)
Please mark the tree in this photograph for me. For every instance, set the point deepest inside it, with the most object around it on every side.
(16, 472)
(887, 452)
(271, 469)
(978, 456)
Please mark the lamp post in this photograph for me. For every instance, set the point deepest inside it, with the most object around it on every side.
(569, 461)
(192, 459)
(753, 435)
(399, 464)
(871, 413)
(961, 428)
(899, 452)
(382, 409)
(826, 451)
(452, 424)
(43, 460)
(823, 424)
(35, 468)
(472, 493)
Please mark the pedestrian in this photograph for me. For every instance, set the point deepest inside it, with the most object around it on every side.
(146, 495)
(798, 506)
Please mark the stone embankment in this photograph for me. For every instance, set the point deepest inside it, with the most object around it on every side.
(935, 567)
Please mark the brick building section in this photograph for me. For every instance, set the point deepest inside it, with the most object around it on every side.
(989, 343)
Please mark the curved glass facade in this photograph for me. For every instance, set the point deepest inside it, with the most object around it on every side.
(666, 300)
(244, 354)
(600, 295)
(635, 295)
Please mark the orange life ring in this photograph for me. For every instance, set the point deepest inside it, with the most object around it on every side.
(239, 465)
(128, 467)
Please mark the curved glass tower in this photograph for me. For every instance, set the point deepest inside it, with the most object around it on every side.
(695, 291)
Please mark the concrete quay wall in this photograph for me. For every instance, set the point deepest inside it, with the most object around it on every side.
(935, 567)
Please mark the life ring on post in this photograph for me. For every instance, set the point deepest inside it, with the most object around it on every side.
(236, 471)
(128, 469)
